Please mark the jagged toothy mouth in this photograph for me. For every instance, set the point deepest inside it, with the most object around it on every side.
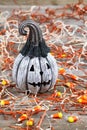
(39, 84)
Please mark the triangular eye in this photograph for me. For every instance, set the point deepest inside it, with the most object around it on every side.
(48, 67)
(32, 68)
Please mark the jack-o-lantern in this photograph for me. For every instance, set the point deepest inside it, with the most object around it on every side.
(35, 69)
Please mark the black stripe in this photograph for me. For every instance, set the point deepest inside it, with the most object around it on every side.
(17, 69)
(41, 75)
(51, 73)
(26, 82)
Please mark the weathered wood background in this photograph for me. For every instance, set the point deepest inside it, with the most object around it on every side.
(38, 2)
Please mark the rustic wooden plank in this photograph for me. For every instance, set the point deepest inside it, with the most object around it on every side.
(39, 2)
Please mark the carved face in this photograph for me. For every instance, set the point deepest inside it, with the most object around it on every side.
(36, 75)
(39, 76)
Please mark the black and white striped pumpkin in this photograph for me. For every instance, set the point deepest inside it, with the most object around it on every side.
(34, 69)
